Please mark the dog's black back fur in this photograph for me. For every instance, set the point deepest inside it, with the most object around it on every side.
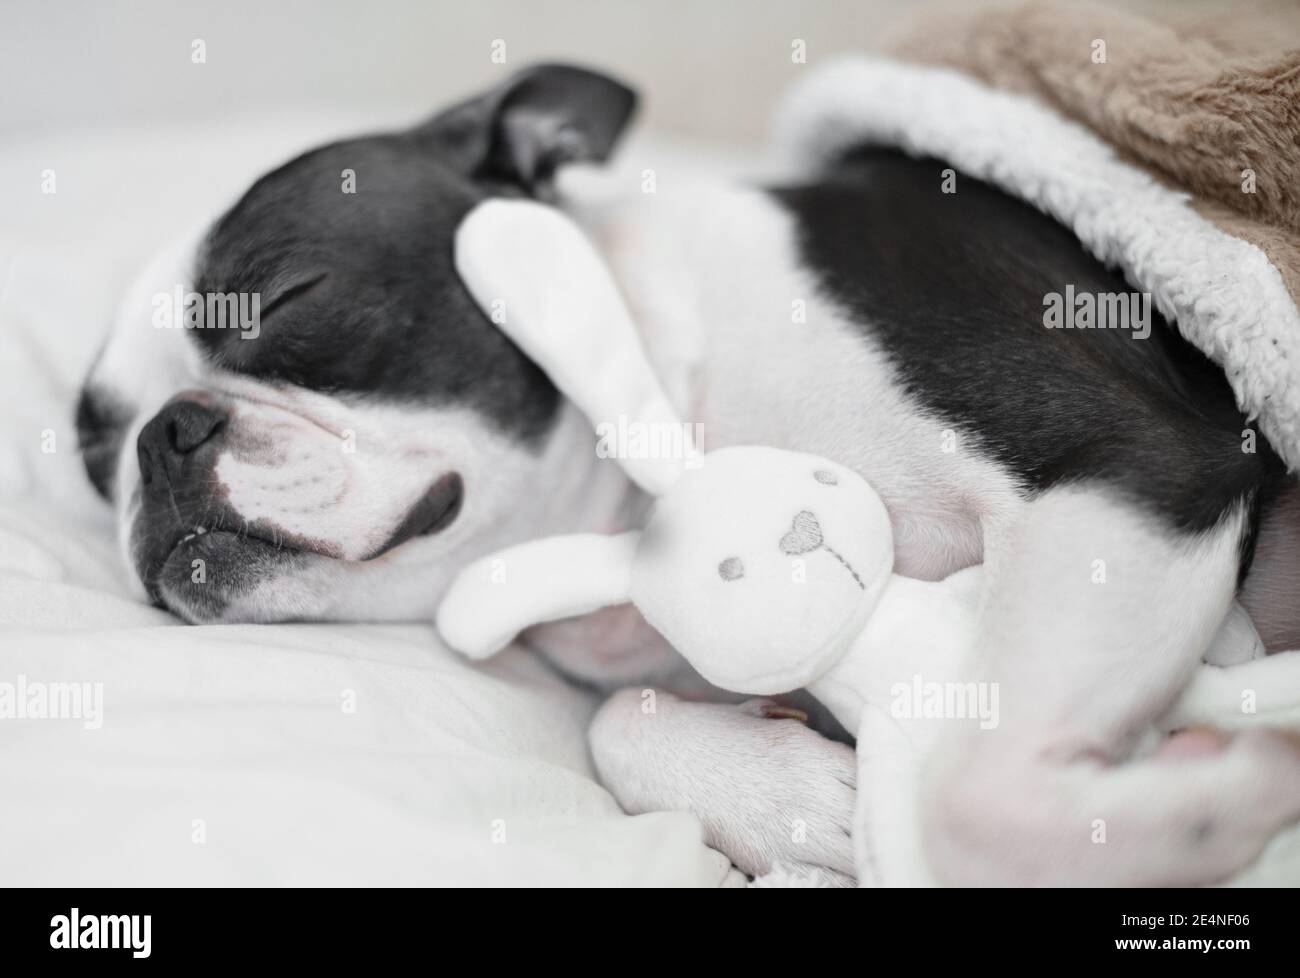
(952, 285)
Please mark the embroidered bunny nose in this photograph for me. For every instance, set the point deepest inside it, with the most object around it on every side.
(804, 536)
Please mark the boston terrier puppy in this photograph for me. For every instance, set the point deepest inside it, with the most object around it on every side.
(342, 453)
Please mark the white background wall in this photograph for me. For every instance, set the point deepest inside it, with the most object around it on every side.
(709, 68)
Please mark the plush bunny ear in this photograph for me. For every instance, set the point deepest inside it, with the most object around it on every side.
(545, 286)
(494, 599)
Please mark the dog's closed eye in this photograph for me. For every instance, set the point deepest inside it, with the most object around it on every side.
(285, 295)
(101, 426)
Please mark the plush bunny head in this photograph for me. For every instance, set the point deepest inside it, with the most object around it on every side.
(761, 566)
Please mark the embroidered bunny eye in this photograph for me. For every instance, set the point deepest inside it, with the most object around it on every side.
(826, 477)
(731, 569)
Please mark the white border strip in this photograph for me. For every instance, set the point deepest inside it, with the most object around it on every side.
(1225, 295)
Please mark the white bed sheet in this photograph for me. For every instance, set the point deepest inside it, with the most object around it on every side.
(229, 754)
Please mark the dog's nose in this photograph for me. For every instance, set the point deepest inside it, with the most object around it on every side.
(174, 434)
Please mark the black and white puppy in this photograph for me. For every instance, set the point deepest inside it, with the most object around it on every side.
(378, 432)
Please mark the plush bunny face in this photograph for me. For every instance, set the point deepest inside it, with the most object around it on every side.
(762, 566)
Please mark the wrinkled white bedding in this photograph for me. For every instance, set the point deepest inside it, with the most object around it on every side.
(299, 754)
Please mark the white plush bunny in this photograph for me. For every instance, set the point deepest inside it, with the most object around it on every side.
(769, 570)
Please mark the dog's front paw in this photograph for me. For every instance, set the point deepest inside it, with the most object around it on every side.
(770, 791)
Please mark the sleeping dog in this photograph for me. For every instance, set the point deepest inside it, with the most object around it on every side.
(375, 432)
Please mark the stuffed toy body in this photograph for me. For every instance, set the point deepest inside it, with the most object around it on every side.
(768, 570)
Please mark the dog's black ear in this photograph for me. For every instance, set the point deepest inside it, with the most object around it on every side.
(522, 130)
